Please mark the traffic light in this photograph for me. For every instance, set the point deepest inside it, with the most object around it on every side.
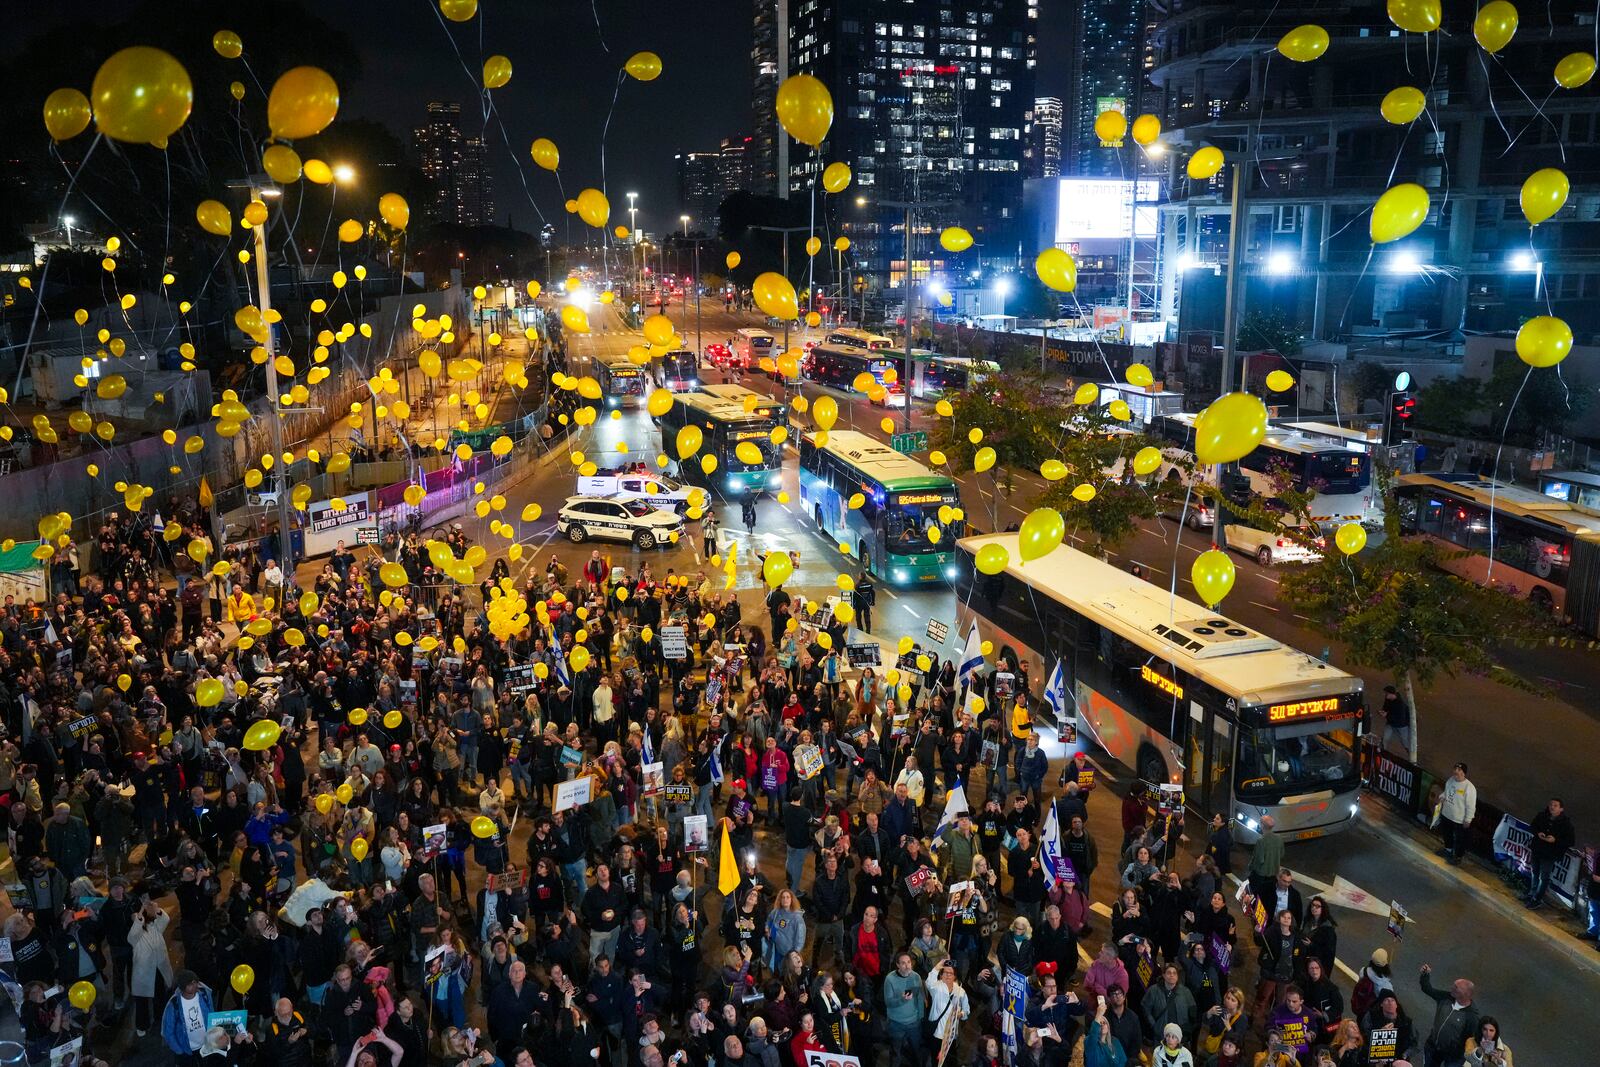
(1402, 410)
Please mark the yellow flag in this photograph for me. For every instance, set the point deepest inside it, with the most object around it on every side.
(205, 493)
(727, 866)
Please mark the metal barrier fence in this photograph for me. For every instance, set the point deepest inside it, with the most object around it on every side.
(1497, 837)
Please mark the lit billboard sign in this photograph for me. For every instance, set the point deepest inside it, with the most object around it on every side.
(1091, 209)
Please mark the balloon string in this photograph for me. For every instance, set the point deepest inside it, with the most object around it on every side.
(1488, 83)
(1177, 544)
(594, 7)
(1538, 114)
(1538, 110)
(606, 130)
(1539, 280)
(522, 174)
(1356, 286)
(1494, 480)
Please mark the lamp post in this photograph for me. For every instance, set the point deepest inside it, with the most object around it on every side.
(633, 238)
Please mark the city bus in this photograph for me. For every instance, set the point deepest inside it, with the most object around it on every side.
(1246, 725)
(839, 367)
(678, 371)
(755, 403)
(849, 337)
(1537, 546)
(901, 502)
(725, 425)
(622, 384)
(934, 377)
(1339, 479)
(751, 346)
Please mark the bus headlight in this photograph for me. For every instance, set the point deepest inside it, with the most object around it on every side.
(900, 574)
(775, 479)
(1249, 824)
(952, 573)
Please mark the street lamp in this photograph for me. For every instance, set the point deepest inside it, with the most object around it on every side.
(685, 220)
(1002, 289)
(344, 173)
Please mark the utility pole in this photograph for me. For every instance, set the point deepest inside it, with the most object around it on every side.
(259, 188)
(1236, 235)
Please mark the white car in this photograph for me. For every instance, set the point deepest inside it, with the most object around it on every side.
(1268, 548)
(583, 517)
(628, 485)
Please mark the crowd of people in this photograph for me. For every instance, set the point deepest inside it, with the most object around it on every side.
(346, 825)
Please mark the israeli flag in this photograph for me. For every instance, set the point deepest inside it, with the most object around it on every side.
(716, 767)
(1051, 862)
(971, 659)
(955, 802)
(1055, 692)
(647, 750)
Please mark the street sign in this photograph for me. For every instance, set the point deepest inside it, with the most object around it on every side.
(916, 441)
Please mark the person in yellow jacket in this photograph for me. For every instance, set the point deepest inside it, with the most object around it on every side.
(1021, 721)
(241, 605)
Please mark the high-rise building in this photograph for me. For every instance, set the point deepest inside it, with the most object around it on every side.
(930, 99)
(1107, 71)
(460, 191)
(705, 179)
(769, 66)
(1044, 158)
(1315, 153)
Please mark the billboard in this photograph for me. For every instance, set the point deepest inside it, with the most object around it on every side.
(1089, 209)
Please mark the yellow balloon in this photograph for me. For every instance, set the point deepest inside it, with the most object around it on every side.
(575, 318)
(992, 559)
(496, 72)
(593, 207)
(841, 244)
(1146, 128)
(1041, 533)
(732, 260)
(983, 459)
(458, 10)
(1398, 212)
(813, 245)
(825, 412)
(281, 163)
(954, 239)
(357, 717)
(1140, 375)
(393, 575)
(1212, 574)
(578, 657)
(645, 66)
(1415, 16)
(303, 101)
(775, 296)
(836, 177)
(141, 95)
(324, 802)
(1495, 25)
(81, 995)
(688, 441)
(344, 793)
(227, 44)
(749, 453)
(777, 568)
(1544, 194)
(350, 230)
(1230, 428)
(1574, 71)
(208, 692)
(1110, 126)
(1083, 492)
(1351, 538)
(483, 826)
(197, 550)
(657, 329)
(358, 849)
(1057, 269)
(124, 681)
(394, 210)
(1146, 459)
(659, 402)
(805, 109)
(545, 153)
(1086, 394)
(1119, 410)
(1304, 43)
(262, 735)
(1205, 163)
(1403, 105)
(1280, 381)
(393, 719)
(1544, 341)
(66, 114)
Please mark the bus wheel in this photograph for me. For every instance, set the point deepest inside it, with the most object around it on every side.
(1152, 768)
(1540, 598)
(817, 509)
(864, 556)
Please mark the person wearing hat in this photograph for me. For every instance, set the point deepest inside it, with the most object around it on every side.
(1170, 1052)
(741, 812)
(1373, 980)
(183, 1022)
(1387, 1014)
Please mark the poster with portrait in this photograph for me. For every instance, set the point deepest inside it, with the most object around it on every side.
(67, 1055)
(696, 836)
(573, 794)
(434, 840)
(652, 778)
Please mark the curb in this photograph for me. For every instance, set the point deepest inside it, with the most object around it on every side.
(1553, 934)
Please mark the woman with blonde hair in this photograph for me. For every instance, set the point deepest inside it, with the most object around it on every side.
(786, 929)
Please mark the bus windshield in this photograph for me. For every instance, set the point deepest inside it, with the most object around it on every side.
(909, 516)
(1296, 756)
(1337, 473)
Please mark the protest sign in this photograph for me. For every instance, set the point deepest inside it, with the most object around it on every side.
(573, 794)
(695, 835)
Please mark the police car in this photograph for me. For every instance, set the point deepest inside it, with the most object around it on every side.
(583, 517)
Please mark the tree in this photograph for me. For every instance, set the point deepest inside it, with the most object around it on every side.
(1370, 381)
(1525, 402)
(1029, 425)
(1399, 612)
(1270, 331)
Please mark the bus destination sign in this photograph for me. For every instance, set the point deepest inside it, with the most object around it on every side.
(1303, 709)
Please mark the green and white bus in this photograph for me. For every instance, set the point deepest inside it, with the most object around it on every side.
(890, 531)
(725, 425)
(766, 406)
(622, 384)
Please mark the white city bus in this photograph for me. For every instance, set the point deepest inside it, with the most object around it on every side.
(1178, 692)
(751, 346)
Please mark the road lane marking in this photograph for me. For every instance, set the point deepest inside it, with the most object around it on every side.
(1259, 604)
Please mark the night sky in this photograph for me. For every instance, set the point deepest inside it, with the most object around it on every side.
(565, 71)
